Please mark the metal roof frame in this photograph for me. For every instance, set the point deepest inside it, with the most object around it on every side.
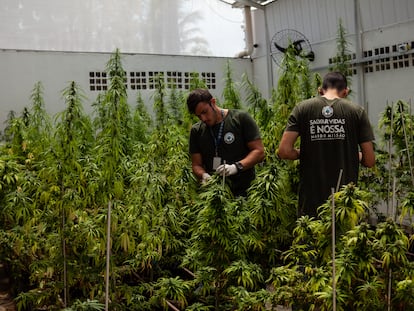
(258, 4)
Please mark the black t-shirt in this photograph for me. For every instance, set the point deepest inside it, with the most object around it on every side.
(330, 132)
(238, 130)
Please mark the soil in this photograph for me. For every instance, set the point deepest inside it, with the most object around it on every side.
(6, 301)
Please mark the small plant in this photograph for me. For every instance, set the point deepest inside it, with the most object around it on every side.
(88, 305)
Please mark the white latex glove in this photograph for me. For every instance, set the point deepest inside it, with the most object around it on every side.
(205, 177)
(227, 169)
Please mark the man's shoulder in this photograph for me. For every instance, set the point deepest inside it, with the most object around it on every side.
(199, 126)
(310, 102)
(235, 116)
(316, 101)
(237, 112)
(350, 105)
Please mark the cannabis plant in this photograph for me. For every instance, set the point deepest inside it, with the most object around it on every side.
(257, 105)
(231, 96)
(221, 239)
(342, 60)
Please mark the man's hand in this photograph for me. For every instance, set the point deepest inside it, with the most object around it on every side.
(205, 178)
(227, 169)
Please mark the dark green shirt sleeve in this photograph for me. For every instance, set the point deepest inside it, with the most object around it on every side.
(194, 145)
(365, 129)
(293, 124)
(250, 129)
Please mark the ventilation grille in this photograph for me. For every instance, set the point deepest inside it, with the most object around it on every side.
(349, 57)
(147, 80)
(98, 81)
(383, 58)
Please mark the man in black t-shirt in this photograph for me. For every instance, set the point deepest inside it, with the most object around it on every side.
(223, 141)
(335, 134)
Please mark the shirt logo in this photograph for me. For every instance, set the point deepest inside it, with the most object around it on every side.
(229, 138)
(327, 111)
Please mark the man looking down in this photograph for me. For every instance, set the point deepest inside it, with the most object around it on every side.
(224, 141)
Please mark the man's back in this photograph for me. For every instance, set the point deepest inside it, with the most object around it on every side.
(330, 132)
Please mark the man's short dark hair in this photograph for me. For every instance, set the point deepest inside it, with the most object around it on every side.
(334, 80)
(197, 96)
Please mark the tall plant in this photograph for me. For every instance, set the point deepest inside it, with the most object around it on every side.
(231, 96)
(40, 120)
(31, 131)
(113, 144)
(221, 238)
(272, 209)
(395, 160)
(175, 106)
(15, 134)
(115, 116)
(73, 138)
(141, 121)
(162, 117)
(257, 105)
(293, 86)
(342, 60)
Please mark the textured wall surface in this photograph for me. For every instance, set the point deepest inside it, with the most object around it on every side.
(376, 31)
(20, 70)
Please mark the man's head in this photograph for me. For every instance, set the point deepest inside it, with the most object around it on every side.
(197, 96)
(201, 103)
(335, 81)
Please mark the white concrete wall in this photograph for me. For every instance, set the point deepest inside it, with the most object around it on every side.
(20, 70)
(381, 23)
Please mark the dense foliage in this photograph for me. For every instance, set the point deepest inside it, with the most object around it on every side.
(179, 245)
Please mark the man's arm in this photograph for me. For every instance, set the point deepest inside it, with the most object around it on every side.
(286, 147)
(367, 154)
(197, 165)
(255, 155)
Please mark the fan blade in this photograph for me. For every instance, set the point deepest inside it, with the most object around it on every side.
(310, 56)
(281, 49)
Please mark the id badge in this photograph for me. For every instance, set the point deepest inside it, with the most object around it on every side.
(216, 162)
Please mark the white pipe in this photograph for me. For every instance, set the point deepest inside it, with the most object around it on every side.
(248, 32)
(359, 32)
(270, 78)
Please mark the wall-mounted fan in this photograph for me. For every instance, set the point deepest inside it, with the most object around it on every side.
(281, 40)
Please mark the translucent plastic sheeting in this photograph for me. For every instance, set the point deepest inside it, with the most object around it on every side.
(177, 27)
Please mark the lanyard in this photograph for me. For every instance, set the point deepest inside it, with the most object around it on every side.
(217, 140)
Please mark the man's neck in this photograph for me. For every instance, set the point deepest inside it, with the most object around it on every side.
(221, 113)
(331, 94)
